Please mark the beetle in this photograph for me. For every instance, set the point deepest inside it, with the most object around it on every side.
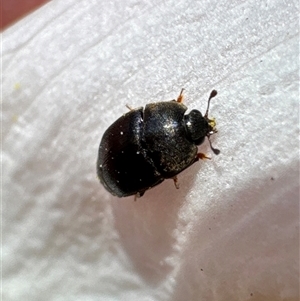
(146, 146)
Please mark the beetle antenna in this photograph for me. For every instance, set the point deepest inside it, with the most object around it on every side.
(213, 93)
(215, 150)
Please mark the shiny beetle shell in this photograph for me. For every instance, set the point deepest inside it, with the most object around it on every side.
(146, 146)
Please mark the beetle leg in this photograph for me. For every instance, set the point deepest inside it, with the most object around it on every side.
(175, 179)
(202, 156)
(180, 97)
(129, 107)
(138, 195)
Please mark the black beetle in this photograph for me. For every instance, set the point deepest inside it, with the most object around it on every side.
(146, 146)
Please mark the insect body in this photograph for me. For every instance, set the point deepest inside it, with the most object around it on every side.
(146, 146)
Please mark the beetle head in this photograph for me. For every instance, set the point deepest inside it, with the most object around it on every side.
(198, 127)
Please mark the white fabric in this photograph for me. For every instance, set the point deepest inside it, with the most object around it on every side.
(231, 231)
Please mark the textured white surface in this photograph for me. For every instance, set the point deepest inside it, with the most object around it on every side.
(231, 231)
